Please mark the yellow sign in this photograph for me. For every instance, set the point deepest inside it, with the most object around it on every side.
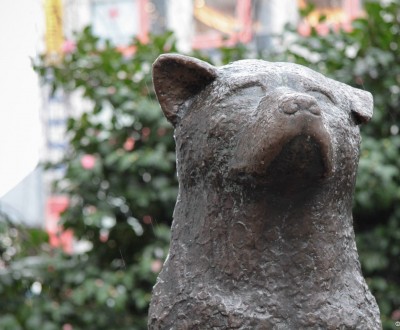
(54, 27)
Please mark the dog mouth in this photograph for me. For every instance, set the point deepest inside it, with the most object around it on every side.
(303, 159)
(291, 159)
(292, 152)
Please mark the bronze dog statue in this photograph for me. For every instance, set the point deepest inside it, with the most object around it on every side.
(262, 236)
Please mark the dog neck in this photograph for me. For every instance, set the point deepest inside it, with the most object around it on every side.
(250, 238)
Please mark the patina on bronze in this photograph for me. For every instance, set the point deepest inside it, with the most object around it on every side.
(262, 236)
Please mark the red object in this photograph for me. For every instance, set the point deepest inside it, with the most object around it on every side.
(68, 46)
(88, 161)
(351, 9)
(129, 144)
(58, 237)
(143, 35)
(113, 13)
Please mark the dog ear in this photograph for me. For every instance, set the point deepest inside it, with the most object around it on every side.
(362, 105)
(176, 79)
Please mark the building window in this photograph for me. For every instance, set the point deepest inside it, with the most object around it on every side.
(221, 22)
(120, 20)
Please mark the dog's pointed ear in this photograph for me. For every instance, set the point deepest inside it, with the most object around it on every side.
(176, 79)
(362, 105)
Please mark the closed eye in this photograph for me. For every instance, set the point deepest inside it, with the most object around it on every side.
(325, 93)
(245, 97)
(253, 92)
(250, 88)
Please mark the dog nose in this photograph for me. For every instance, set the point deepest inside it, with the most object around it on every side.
(294, 103)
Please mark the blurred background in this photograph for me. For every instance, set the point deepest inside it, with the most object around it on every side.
(85, 231)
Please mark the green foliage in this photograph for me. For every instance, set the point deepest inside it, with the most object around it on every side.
(121, 181)
(53, 291)
(18, 241)
(367, 58)
(121, 162)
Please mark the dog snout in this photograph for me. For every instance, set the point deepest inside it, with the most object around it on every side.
(291, 104)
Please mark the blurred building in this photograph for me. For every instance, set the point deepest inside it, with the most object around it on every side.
(197, 24)
(20, 136)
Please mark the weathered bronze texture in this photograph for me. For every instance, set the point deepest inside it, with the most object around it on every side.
(262, 236)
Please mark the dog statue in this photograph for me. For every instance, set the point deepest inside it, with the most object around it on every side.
(262, 236)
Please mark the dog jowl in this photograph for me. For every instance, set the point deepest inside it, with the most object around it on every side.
(262, 236)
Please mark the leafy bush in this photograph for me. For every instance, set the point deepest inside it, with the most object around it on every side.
(53, 291)
(121, 182)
